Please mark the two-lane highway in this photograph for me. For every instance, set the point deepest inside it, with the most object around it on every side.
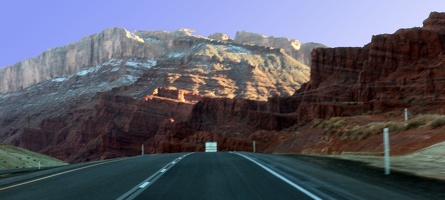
(197, 176)
(220, 176)
(103, 181)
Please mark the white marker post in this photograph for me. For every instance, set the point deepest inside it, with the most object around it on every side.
(39, 164)
(406, 114)
(142, 150)
(386, 145)
(254, 148)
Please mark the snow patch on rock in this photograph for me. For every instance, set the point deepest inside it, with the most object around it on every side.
(238, 49)
(176, 55)
(59, 79)
(88, 70)
(113, 62)
(149, 63)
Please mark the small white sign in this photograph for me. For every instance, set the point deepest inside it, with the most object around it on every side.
(211, 147)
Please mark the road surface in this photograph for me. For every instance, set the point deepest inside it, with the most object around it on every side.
(227, 175)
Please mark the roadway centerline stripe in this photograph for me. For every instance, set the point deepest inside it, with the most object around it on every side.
(144, 185)
(58, 174)
(281, 177)
(135, 191)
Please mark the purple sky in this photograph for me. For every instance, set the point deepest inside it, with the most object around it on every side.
(30, 27)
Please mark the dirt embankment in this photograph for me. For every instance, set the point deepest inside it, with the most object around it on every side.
(417, 146)
(428, 162)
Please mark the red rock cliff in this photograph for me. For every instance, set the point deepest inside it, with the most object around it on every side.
(397, 70)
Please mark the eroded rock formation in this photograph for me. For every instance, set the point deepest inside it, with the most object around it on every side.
(141, 96)
(394, 71)
(403, 69)
(211, 90)
(89, 51)
(294, 48)
(115, 43)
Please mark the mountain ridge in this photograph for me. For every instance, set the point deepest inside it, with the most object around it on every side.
(138, 95)
(94, 50)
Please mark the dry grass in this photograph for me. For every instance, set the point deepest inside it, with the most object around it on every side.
(438, 122)
(352, 131)
(14, 157)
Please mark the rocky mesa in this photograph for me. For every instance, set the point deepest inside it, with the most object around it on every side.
(111, 92)
(353, 93)
(194, 89)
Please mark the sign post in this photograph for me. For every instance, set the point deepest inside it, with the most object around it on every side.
(386, 146)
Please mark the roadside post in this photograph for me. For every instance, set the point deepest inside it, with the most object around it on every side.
(142, 150)
(386, 146)
(406, 114)
(254, 147)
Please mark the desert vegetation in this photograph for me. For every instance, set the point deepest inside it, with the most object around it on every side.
(347, 130)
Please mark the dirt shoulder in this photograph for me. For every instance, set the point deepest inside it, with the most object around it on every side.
(428, 187)
(428, 162)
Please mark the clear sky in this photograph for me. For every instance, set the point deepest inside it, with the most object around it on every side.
(29, 27)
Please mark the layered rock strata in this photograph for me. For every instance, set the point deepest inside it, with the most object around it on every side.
(117, 43)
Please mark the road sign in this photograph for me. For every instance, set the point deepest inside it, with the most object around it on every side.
(211, 147)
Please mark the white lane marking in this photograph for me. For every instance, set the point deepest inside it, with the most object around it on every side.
(135, 191)
(281, 177)
(144, 185)
(173, 162)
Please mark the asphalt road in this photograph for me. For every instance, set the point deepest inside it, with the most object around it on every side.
(198, 176)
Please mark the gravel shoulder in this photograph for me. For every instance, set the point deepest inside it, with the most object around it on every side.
(422, 171)
(430, 188)
(428, 162)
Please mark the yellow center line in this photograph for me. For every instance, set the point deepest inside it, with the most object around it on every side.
(58, 174)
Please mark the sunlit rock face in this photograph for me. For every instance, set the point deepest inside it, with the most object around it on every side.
(301, 52)
(89, 51)
(175, 47)
(106, 94)
(219, 36)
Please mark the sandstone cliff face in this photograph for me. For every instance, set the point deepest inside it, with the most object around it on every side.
(139, 88)
(394, 70)
(289, 45)
(294, 48)
(435, 22)
(219, 36)
(89, 51)
(200, 55)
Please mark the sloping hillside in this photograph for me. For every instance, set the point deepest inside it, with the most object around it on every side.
(14, 157)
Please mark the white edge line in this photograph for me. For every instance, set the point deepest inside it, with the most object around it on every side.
(281, 177)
